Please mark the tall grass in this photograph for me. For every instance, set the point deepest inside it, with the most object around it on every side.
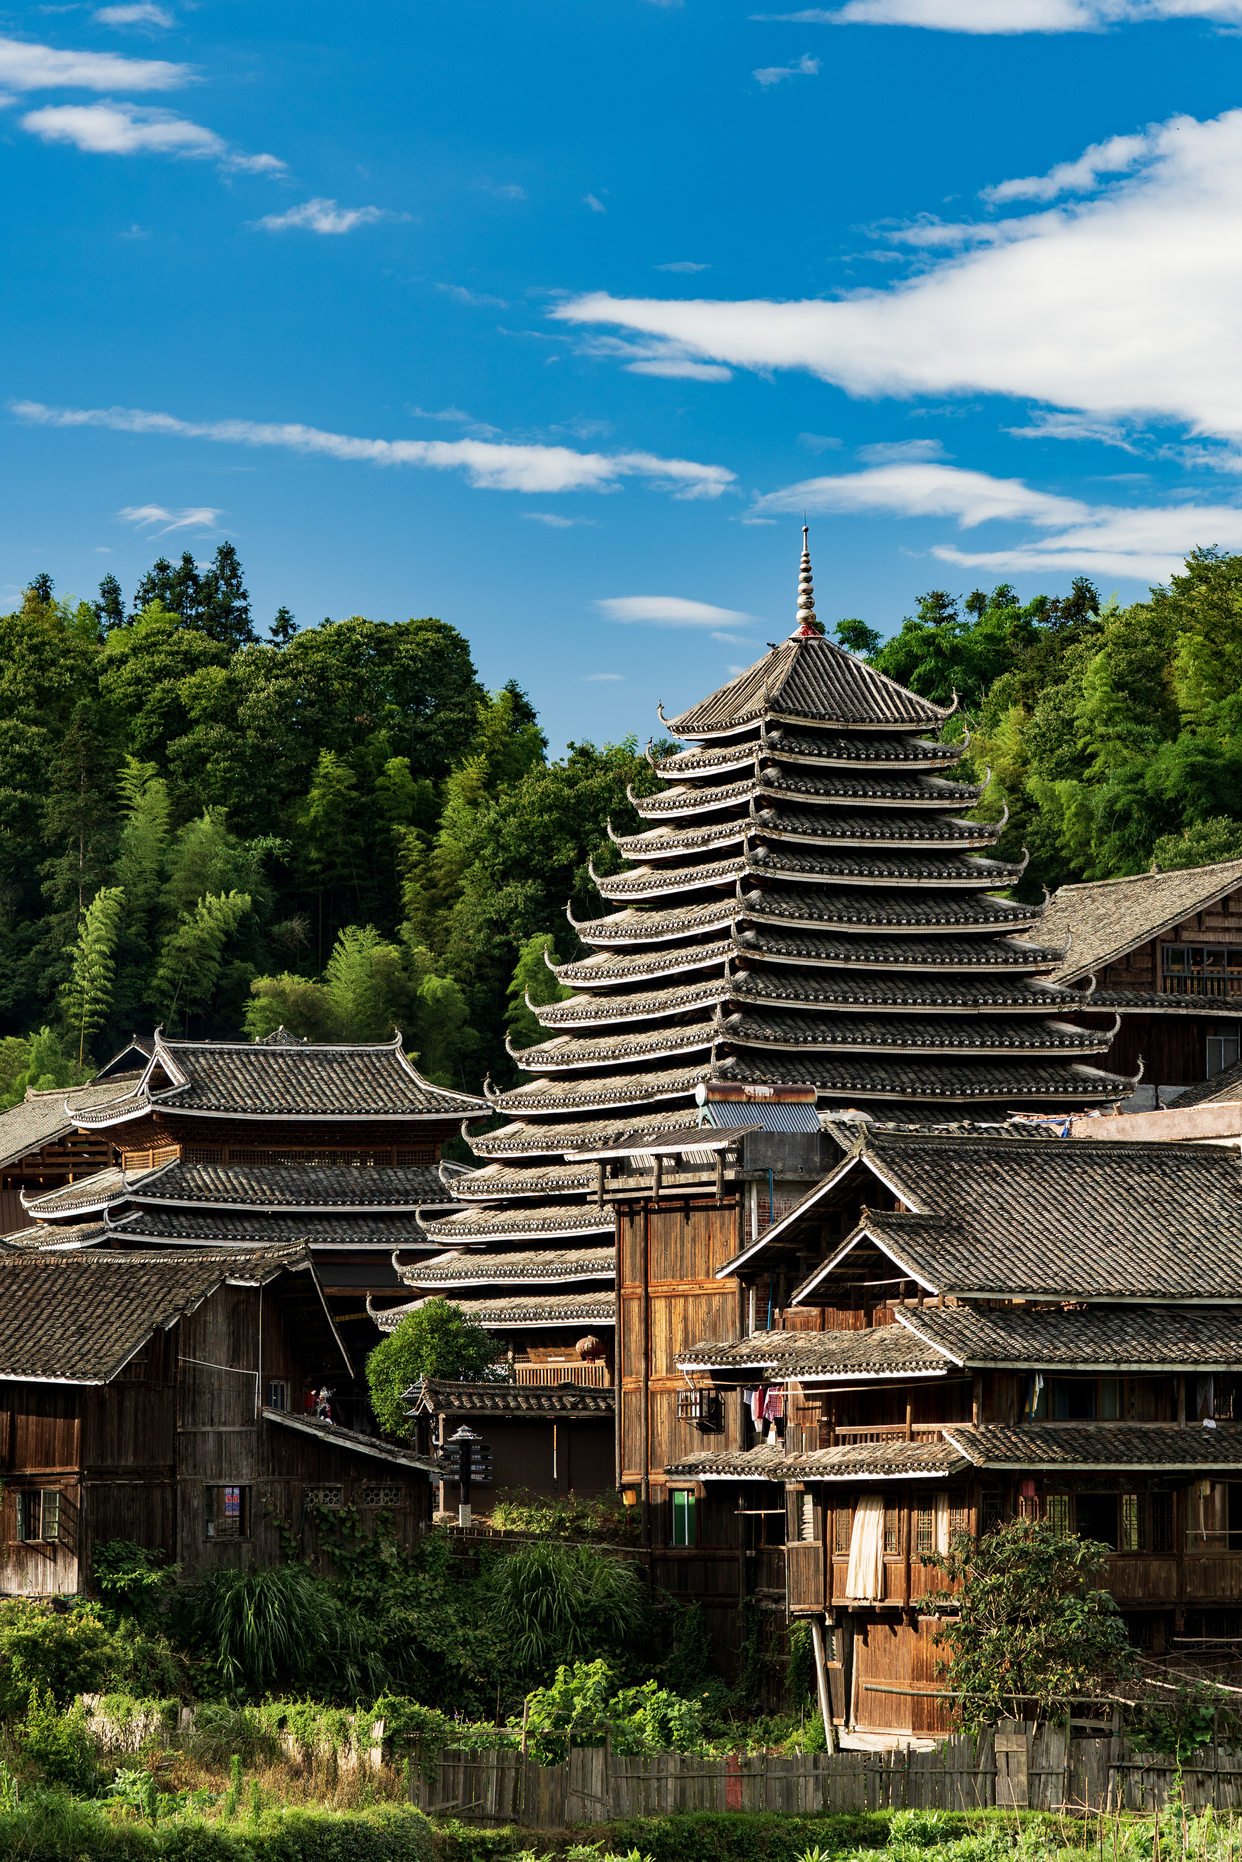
(285, 1628)
(556, 1601)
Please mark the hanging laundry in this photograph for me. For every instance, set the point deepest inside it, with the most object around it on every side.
(756, 1405)
(774, 1404)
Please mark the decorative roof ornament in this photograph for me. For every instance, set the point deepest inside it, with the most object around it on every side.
(806, 628)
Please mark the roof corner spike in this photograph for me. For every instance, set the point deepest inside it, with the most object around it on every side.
(648, 755)
(807, 628)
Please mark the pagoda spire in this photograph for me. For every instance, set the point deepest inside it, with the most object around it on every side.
(806, 628)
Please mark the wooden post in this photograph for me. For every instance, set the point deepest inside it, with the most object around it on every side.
(657, 1176)
(599, 1183)
(1181, 1400)
(719, 1178)
(645, 1416)
(976, 1399)
(821, 1686)
(618, 1352)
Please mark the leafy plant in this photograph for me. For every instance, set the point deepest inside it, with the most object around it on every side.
(1033, 1630)
(132, 1577)
(438, 1340)
(59, 1653)
(58, 1744)
(284, 1627)
(559, 1602)
(87, 996)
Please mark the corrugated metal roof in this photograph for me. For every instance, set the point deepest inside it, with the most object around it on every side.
(772, 1117)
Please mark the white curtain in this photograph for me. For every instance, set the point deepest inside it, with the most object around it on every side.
(865, 1577)
(942, 1522)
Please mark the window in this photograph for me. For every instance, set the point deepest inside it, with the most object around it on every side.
(841, 1532)
(1133, 1522)
(1161, 1522)
(1095, 1517)
(1201, 970)
(383, 1496)
(892, 1529)
(990, 1511)
(1059, 1512)
(278, 1394)
(806, 1517)
(925, 1531)
(228, 1513)
(683, 1516)
(1222, 1049)
(38, 1514)
(325, 1496)
(959, 1521)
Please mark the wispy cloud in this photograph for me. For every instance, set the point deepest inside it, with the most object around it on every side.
(463, 296)
(555, 522)
(596, 206)
(27, 67)
(1046, 424)
(1117, 156)
(1062, 534)
(900, 452)
(682, 265)
(109, 128)
(154, 519)
(804, 67)
(1011, 16)
(659, 358)
(324, 216)
(603, 678)
(142, 13)
(505, 190)
(818, 442)
(1064, 307)
(486, 465)
(668, 611)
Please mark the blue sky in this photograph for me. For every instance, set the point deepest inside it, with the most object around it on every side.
(552, 319)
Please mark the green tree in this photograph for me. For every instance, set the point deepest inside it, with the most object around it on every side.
(110, 608)
(856, 637)
(1034, 1628)
(283, 627)
(435, 1340)
(532, 981)
(87, 996)
(189, 963)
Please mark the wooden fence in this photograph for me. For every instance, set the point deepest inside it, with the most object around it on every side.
(1018, 1767)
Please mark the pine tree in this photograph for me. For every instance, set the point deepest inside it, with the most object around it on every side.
(223, 603)
(283, 627)
(110, 608)
(87, 996)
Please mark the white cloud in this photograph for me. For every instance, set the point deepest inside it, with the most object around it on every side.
(1126, 305)
(901, 452)
(1117, 156)
(805, 67)
(488, 466)
(818, 442)
(682, 265)
(596, 206)
(148, 516)
(556, 522)
(1046, 425)
(323, 216)
(109, 128)
(603, 678)
(463, 296)
(1147, 543)
(1011, 16)
(660, 358)
(143, 13)
(668, 611)
(25, 67)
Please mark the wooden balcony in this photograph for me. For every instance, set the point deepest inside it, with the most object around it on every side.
(878, 1432)
(593, 1373)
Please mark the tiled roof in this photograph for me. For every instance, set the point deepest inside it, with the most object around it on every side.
(967, 871)
(215, 1226)
(494, 1180)
(818, 948)
(811, 679)
(892, 1459)
(484, 1222)
(1108, 1446)
(876, 1351)
(522, 1140)
(292, 1080)
(1052, 1218)
(41, 1117)
(857, 749)
(351, 1440)
(284, 1187)
(541, 1267)
(77, 1317)
(439, 1396)
(911, 791)
(821, 828)
(1104, 1338)
(45, 1239)
(866, 908)
(1223, 1087)
(1111, 916)
(526, 1309)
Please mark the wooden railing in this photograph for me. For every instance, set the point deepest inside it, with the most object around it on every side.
(591, 1372)
(849, 1437)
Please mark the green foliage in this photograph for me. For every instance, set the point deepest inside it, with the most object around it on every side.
(49, 1827)
(54, 1652)
(1190, 1716)
(132, 1578)
(55, 1743)
(583, 1706)
(604, 1517)
(690, 1836)
(533, 983)
(41, 1066)
(284, 1628)
(87, 996)
(438, 1340)
(189, 965)
(1032, 1629)
(556, 1602)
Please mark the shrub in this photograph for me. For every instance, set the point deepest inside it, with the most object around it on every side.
(61, 1652)
(132, 1579)
(583, 1707)
(556, 1602)
(59, 1829)
(438, 1340)
(58, 1744)
(285, 1627)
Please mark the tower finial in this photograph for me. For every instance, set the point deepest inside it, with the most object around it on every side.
(806, 628)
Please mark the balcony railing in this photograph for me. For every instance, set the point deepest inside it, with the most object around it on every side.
(882, 1432)
(592, 1372)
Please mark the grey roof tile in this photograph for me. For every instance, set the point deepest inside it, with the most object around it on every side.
(520, 1310)
(875, 1351)
(529, 1267)
(438, 1396)
(813, 680)
(1108, 1447)
(1099, 1338)
(41, 1117)
(1108, 917)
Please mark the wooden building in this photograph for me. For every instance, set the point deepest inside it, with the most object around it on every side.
(159, 1398)
(244, 1145)
(1164, 949)
(41, 1147)
(552, 1439)
(950, 1330)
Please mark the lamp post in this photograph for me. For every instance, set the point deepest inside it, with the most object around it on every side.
(464, 1442)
